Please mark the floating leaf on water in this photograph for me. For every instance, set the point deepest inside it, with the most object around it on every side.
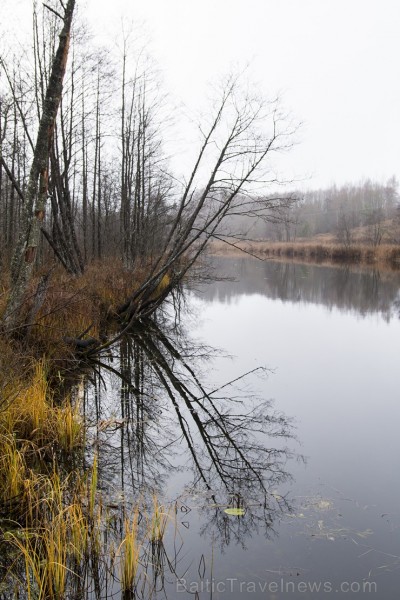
(235, 512)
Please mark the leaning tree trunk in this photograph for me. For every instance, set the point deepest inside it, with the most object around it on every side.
(36, 194)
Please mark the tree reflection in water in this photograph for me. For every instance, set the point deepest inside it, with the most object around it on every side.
(173, 455)
(158, 429)
(362, 290)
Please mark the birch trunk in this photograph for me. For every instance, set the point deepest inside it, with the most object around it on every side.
(36, 193)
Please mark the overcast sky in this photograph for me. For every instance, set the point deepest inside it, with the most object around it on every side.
(335, 63)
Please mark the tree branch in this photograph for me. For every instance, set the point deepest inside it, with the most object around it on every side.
(53, 11)
(12, 179)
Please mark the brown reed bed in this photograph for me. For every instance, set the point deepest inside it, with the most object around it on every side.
(385, 255)
(73, 307)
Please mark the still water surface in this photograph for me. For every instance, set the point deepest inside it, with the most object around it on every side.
(332, 338)
(308, 449)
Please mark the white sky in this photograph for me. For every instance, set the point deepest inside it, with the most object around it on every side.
(335, 63)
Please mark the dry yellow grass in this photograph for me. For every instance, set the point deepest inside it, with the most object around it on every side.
(29, 413)
(129, 552)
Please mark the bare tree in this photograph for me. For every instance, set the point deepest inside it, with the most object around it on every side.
(235, 151)
(164, 224)
(345, 228)
(63, 237)
(144, 185)
(36, 193)
(12, 171)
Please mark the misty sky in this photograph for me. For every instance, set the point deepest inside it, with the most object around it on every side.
(335, 63)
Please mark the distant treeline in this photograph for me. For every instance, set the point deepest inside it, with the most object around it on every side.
(366, 212)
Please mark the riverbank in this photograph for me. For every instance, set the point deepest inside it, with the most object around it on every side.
(385, 255)
(70, 308)
(53, 516)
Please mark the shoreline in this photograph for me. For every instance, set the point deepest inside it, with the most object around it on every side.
(384, 256)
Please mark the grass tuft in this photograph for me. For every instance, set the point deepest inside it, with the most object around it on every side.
(129, 553)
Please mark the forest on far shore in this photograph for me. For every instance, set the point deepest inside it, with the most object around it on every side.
(367, 212)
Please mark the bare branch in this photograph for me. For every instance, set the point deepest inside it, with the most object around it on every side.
(54, 11)
(12, 179)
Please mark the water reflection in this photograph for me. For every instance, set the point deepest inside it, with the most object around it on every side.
(158, 427)
(196, 458)
(363, 291)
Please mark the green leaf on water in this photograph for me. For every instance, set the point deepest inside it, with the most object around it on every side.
(235, 512)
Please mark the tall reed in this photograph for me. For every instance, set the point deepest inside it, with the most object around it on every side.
(129, 552)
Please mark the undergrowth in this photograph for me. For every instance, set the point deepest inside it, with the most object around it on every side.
(56, 533)
(72, 306)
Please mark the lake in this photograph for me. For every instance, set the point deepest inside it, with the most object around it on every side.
(265, 418)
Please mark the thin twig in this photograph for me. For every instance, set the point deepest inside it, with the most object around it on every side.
(239, 248)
